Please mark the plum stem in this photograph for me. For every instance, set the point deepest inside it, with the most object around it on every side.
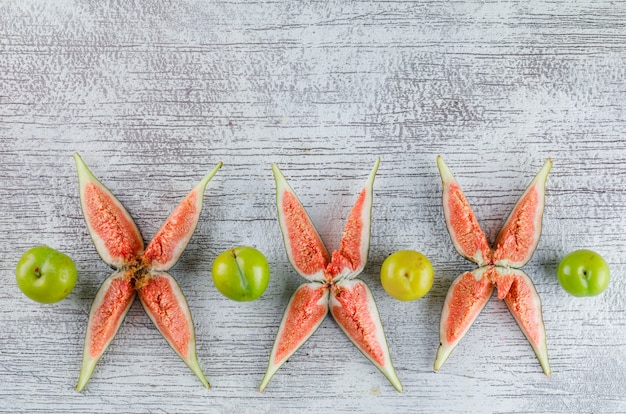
(242, 277)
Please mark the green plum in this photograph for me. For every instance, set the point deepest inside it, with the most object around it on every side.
(407, 275)
(241, 273)
(45, 275)
(583, 273)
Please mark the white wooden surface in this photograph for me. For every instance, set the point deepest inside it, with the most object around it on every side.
(154, 93)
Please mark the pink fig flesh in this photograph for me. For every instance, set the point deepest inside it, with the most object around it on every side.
(354, 309)
(167, 307)
(348, 257)
(112, 302)
(522, 299)
(466, 297)
(163, 247)
(466, 234)
(112, 230)
(304, 314)
(349, 261)
(308, 253)
(520, 234)
(171, 239)
(168, 312)
(304, 247)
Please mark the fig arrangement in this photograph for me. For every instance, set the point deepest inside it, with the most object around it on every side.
(498, 267)
(242, 273)
(139, 272)
(332, 283)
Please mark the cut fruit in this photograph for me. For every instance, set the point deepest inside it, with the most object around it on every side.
(515, 245)
(467, 296)
(305, 312)
(119, 243)
(351, 302)
(304, 247)
(522, 299)
(520, 234)
(354, 309)
(467, 236)
(111, 228)
(167, 307)
(112, 302)
(171, 239)
(349, 261)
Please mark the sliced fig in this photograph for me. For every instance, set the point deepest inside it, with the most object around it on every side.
(520, 234)
(349, 261)
(119, 243)
(467, 236)
(305, 250)
(352, 303)
(171, 239)
(112, 230)
(167, 307)
(467, 296)
(112, 302)
(522, 299)
(514, 246)
(305, 312)
(354, 309)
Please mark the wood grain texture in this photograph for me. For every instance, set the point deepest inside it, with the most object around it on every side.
(154, 93)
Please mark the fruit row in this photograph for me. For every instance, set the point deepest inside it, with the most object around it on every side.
(331, 279)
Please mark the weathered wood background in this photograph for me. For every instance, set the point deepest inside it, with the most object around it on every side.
(154, 93)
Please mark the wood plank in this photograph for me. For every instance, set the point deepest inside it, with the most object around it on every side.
(153, 94)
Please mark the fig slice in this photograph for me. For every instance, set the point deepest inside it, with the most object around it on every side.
(522, 299)
(305, 250)
(467, 236)
(111, 228)
(119, 243)
(352, 303)
(354, 309)
(112, 302)
(467, 296)
(350, 259)
(167, 307)
(499, 268)
(520, 233)
(305, 312)
(170, 240)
